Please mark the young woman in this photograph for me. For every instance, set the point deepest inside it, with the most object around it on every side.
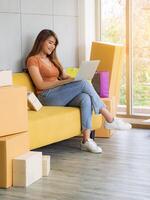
(46, 71)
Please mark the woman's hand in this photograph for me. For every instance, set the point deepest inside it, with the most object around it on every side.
(67, 80)
(65, 76)
(61, 82)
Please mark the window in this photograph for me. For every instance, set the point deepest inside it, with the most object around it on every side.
(141, 57)
(127, 22)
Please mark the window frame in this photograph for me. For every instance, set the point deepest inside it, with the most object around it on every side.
(129, 67)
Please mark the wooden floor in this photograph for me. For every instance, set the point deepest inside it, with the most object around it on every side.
(121, 172)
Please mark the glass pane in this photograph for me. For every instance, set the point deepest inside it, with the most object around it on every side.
(113, 30)
(141, 57)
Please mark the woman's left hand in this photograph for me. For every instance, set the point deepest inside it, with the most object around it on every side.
(65, 76)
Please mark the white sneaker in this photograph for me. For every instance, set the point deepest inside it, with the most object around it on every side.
(90, 146)
(118, 124)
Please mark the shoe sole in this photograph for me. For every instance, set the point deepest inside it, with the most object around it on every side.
(84, 149)
(121, 129)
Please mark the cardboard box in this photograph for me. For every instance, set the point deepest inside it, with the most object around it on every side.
(13, 108)
(111, 57)
(27, 169)
(103, 132)
(33, 102)
(10, 147)
(46, 165)
(5, 77)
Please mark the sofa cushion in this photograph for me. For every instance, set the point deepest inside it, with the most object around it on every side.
(72, 71)
(55, 123)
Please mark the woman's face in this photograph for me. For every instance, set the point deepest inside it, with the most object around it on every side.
(49, 45)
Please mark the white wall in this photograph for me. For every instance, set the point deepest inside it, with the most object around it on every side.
(89, 26)
(86, 28)
(21, 21)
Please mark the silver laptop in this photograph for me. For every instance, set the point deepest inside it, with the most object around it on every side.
(86, 72)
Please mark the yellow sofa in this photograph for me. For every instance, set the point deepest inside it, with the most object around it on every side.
(52, 123)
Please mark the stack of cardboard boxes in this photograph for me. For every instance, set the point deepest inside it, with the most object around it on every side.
(14, 138)
(18, 165)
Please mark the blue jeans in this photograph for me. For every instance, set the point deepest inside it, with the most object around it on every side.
(75, 94)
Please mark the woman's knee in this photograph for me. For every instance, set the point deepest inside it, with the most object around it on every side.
(85, 99)
(84, 82)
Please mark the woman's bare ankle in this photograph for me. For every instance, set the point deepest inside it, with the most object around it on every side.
(107, 115)
(110, 120)
(86, 135)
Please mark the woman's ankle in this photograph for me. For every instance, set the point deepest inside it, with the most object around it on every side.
(84, 140)
(86, 135)
(110, 120)
(107, 115)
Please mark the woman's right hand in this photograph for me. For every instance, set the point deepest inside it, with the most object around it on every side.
(61, 82)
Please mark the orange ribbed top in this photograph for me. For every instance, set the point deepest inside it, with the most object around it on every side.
(48, 72)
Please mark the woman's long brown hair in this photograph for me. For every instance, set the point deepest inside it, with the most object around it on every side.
(42, 36)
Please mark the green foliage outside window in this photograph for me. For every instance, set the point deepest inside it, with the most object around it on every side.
(113, 30)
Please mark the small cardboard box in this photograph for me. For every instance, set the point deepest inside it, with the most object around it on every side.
(27, 169)
(13, 109)
(33, 102)
(46, 165)
(110, 104)
(5, 77)
(10, 147)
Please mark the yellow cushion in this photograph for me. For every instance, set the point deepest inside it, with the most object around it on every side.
(72, 71)
(55, 123)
